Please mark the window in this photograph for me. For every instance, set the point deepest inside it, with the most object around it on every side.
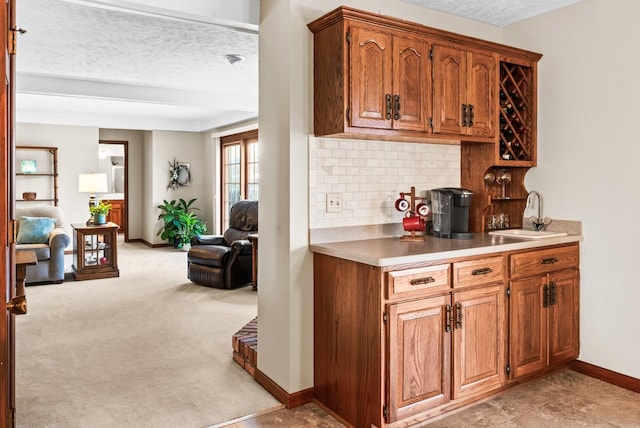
(240, 176)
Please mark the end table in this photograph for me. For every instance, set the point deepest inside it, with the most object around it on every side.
(95, 251)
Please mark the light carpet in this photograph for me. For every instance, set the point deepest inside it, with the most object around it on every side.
(148, 349)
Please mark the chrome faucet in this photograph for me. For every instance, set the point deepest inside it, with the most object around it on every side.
(538, 222)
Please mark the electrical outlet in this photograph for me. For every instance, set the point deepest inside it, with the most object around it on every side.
(334, 202)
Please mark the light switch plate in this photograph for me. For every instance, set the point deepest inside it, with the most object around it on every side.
(334, 202)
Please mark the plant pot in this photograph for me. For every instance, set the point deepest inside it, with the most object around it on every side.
(29, 196)
(186, 247)
(99, 218)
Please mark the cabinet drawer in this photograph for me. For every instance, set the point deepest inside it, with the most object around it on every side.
(418, 281)
(476, 272)
(543, 261)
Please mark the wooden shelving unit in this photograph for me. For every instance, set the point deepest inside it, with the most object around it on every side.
(44, 181)
(513, 153)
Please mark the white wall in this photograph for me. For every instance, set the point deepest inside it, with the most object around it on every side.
(183, 147)
(77, 154)
(148, 207)
(588, 161)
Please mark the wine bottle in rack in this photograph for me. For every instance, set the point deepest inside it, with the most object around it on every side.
(503, 149)
(508, 135)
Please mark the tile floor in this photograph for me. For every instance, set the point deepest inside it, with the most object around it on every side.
(564, 400)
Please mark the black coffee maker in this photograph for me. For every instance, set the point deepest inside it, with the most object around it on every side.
(450, 212)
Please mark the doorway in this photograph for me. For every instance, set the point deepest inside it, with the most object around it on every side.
(112, 160)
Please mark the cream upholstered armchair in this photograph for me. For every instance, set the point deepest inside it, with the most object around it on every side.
(41, 229)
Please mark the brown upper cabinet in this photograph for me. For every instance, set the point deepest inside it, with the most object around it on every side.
(389, 79)
(377, 77)
(464, 83)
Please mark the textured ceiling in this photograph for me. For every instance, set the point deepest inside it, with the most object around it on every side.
(495, 12)
(159, 64)
(144, 64)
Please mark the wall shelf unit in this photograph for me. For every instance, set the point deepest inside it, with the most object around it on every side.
(43, 180)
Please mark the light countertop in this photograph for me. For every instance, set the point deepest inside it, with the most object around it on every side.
(391, 251)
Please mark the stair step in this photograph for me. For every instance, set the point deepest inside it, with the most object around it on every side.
(245, 346)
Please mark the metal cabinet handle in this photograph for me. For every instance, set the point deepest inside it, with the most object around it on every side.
(553, 294)
(464, 116)
(459, 315)
(482, 271)
(549, 261)
(422, 281)
(388, 101)
(448, 318)
(471, 115)
(545, 296)
(396, 107)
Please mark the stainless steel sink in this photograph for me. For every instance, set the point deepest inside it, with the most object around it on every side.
(527, 234)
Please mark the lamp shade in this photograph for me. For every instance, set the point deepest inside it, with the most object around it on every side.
(93, 183)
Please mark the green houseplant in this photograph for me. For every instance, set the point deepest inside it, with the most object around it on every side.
(99, 212)
(191, 226)
(180, 223)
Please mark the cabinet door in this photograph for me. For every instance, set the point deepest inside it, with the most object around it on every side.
(116, 214)
(481, 81)
(449, 81)
(563, 316)
(411, 83)
(371, 81)
(419, 350)
(479, 344)
(528, 326)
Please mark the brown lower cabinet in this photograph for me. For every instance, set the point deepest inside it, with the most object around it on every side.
(398, 345)
(544, 316)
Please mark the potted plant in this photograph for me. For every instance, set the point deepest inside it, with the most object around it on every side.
(191, 226)
(179, 222)
(99, 212)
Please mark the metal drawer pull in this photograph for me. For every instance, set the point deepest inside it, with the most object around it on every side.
(448, 318)
(549, 261)
(482, 271)
(422, 281)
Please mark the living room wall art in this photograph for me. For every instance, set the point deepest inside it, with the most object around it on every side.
(179, 174)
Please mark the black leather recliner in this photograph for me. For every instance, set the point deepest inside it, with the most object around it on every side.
(224, 261)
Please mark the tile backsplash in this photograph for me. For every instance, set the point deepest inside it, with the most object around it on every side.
(369, 176)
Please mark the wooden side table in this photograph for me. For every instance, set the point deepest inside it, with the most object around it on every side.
(95, 251)
(253, 238)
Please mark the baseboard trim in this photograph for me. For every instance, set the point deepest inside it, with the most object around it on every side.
(609, 376)
(289, 400)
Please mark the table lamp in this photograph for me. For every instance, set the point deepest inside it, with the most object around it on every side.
(93, 183)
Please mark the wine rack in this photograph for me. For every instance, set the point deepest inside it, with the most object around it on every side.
(516, 113)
